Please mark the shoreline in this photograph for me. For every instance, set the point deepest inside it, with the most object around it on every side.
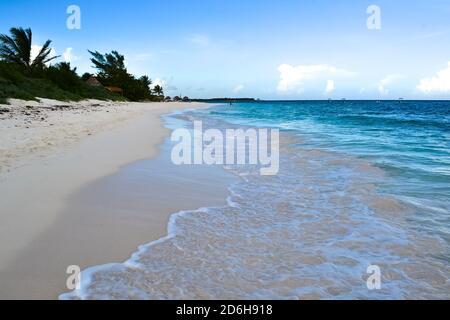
(210, 194)
(33, 130)
(37, 194)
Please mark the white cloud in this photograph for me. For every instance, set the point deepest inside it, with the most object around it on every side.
(199, 39)
(68, 55)
(330, 87)
(35, 49)
(165, 84)
(238, 88)
(383, 85)
(158, 82)
(293, 78)
(439, 83)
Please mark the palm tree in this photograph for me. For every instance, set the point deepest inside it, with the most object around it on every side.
(146, 81)
(17, 49)
(109, 64)
(158, 90)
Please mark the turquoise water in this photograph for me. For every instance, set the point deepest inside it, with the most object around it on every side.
(360, 184)
(409, 140)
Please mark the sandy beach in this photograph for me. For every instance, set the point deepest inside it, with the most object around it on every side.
(64, 201)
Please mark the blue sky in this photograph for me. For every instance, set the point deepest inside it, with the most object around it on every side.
(289, 49)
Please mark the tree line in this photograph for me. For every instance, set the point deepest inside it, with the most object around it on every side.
(22, 74)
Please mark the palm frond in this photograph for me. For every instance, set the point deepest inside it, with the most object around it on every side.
(23, 40)
(16, 48)
(9, 50)
(43, 56)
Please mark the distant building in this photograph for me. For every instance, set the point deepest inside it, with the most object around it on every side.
(115, 90)
(92, 81)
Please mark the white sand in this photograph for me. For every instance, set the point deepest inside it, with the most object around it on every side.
(37, 129)
(45, 156)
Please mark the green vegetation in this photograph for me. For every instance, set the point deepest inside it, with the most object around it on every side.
(23, 77)
(158, 90)
(113, 73)
(58, 82)
(17, 49)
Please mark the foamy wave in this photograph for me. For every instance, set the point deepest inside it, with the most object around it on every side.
(308, 233)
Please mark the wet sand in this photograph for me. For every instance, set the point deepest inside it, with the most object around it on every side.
(83, 205)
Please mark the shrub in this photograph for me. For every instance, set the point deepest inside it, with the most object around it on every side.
(11, 72)
(64, 77)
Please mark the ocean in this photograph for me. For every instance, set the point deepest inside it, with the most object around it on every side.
(361, 184)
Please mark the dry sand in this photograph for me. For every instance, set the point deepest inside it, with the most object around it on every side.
(55, 208)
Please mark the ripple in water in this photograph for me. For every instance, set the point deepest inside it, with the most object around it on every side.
(308, 233)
